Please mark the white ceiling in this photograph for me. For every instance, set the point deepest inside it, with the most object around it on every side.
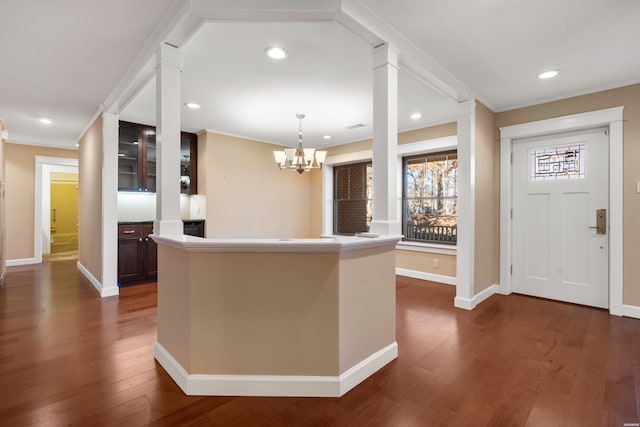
(326, 76)
(63, 59)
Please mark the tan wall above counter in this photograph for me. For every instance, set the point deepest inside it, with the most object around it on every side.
(247, 195)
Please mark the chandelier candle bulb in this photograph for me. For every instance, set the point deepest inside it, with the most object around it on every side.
(280, 157)
(320, 156)
(290, 153)
(308, 155)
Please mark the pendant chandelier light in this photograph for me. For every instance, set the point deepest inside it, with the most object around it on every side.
(300, 159)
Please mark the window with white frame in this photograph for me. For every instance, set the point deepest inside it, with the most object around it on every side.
(430, 197)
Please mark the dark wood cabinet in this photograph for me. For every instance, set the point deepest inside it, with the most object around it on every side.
(137, 254)
(193, 227)
(137, 159)
(150, 253)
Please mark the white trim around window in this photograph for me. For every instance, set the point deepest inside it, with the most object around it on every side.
(421, 147)
(415, 148)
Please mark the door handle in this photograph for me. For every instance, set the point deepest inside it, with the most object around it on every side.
(601, 221)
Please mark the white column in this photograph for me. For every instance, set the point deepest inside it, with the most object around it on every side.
(465, 264)
(109, 202)
(385, 141)
(168, 223)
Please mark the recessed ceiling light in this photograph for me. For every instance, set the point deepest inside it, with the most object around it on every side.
(416, 116)
(46, 121)
(77, 145)
(192, 105)
(275, 52)
(548, 74)
(326, 137)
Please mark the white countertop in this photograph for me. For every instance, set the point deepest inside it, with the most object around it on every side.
(322, 244)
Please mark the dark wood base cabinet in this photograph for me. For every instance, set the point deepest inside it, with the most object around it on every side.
(137, 254)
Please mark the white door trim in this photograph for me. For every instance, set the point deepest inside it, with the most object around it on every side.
(44, 166)
(611, 117)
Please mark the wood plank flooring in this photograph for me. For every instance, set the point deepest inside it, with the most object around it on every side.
(68, 357)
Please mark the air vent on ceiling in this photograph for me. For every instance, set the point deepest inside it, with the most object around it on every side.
(356, 126)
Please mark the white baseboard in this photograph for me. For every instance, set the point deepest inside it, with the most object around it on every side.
(274, 385)
(470, 304)
(104, 292)
(631, 311)
(21, 261)
(447, 280)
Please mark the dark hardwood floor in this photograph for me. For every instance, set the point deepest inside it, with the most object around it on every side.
(68, 357)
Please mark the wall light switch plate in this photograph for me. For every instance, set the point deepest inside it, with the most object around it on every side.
(638, 187)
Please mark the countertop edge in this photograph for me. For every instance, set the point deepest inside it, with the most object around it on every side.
(324, 244)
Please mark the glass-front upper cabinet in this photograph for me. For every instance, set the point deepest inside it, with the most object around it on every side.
(150, 159)
(137, 157)
(128, 157)
(188, 164)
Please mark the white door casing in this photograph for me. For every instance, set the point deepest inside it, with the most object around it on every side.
(611, 117)
(557, 252)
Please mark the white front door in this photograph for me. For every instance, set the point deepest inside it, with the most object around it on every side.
(560, 184)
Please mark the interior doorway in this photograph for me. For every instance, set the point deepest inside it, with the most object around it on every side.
(63, 224)
(46, 167)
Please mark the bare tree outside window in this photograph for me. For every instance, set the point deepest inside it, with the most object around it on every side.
(430, 199)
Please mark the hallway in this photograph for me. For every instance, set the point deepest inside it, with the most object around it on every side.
(69, 357)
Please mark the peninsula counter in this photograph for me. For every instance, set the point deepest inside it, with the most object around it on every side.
(275, 317)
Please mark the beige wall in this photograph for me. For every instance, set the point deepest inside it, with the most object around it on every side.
(232, 306)
(20, 169)
(416, 135)
(320, 314)
(247, 195)
(367, 304)
(431, 132)
(486, 239)
(426, 262)
(629, 97)
(1, 152)
(90, 199)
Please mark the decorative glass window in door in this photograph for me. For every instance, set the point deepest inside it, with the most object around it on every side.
(554, 163)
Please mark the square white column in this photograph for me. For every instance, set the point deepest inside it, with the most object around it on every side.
(109, 198)
(465, 257)
(168, 222)
(385, 141)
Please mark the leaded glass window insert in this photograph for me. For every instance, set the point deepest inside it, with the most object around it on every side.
(555, 163)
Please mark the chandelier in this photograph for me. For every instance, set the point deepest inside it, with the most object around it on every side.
(300, 159)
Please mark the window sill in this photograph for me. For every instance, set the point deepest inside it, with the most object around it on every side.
(432, 248)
